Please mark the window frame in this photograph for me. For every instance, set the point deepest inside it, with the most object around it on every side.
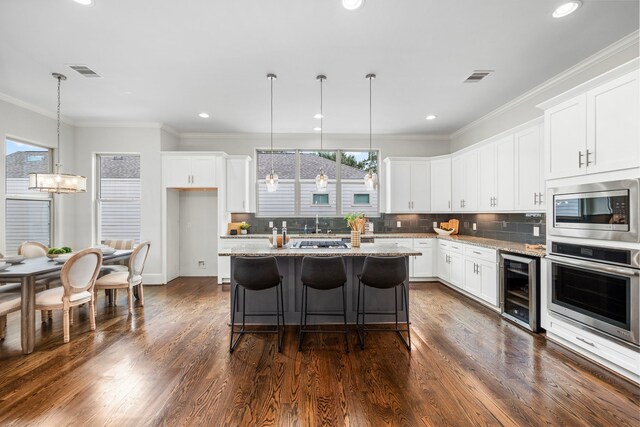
(98, 200)
(36, 196)
(297, 181)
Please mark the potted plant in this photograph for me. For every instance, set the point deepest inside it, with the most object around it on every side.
(355, 221)
(244, 227)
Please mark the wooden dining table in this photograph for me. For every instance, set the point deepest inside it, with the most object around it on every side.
(28, 273)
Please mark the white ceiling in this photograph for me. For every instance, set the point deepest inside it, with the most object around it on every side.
(168, 60)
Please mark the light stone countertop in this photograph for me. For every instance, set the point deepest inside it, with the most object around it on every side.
(366, 249)
(501, 245)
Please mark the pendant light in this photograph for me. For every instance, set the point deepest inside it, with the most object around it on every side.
(322, 180)
(371, 178)
(58, 183)
(272, 177)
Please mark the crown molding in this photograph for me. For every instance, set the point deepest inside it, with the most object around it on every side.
(169, 130)
(604, 54)
(35, 109)
(296, 136)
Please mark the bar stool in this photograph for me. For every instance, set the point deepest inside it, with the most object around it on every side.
(383, 273)
(256, 274)
(322, 273)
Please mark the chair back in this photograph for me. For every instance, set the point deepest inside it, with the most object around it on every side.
(32, 250)
(79, 273)
(323, 272)
(119, 244)
(384, 272)
(256, 273)
(138, 259)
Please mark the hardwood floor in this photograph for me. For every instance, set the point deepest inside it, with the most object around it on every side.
(169, 364)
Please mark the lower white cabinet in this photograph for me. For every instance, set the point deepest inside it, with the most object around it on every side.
(420, 267)
(470, 268)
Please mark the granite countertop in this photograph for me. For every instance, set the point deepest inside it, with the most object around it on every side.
(501, 245)
(374, 249)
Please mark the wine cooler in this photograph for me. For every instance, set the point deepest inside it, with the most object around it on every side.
(520, 290)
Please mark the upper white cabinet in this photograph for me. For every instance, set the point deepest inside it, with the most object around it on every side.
(190, 171)
(407, 185)
(464, 181)
(239, 184)
(441, 185)
(595, 131)
(496, 175)
(530, 193)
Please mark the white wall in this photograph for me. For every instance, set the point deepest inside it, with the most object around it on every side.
(22, 123)
(198, 233)
(523, 109)
(136, 140)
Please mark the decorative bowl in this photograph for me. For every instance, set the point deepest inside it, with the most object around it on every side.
(13, 259)
(442, 232)
(62, 258)
(4, 265)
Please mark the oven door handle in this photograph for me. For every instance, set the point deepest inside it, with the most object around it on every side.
(629, 272)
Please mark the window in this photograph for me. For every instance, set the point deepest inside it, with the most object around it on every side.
(28, 212)
(297, 194)
(118, 197)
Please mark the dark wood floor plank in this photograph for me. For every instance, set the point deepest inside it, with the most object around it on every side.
(169, 364)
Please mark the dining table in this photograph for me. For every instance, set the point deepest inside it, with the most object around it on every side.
(27, 273)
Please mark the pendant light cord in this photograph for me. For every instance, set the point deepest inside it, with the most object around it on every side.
(271, 79)
(58, 128)
(371, 77)
(321, 113)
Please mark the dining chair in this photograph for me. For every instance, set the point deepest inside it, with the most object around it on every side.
(8, 287)
(9, 302)
(78, 277)
(117, 245)
(127, 279)
(37, 250)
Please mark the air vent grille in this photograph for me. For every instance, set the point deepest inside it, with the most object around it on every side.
(85, 71)
(478, 75)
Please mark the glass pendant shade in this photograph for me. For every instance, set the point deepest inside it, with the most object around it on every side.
(322, 181)
(58, 183)
(371, 181)
(272, 182)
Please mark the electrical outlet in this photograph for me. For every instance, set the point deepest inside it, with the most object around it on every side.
(270, 224)
(536, 231)
(398, 224)
(201, 265)
(475, 227)
(435, 224)
(504, 224)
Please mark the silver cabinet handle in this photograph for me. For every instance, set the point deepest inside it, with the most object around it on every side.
(580, 159)
(476, 252)
(585, 341)
(463, 203)
(535, 198)
(540, 198)
(588, 154)
(460, 202)
(449, 204)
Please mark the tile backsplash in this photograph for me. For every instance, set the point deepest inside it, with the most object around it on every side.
(513, 227)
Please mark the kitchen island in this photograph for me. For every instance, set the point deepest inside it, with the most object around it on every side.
(290, 264)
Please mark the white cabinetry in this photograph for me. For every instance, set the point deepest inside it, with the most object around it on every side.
(450, 262)
(407, 185)
(594, 131)
(441, 185)
(496, 175)
(423, 266)
(464, 181)
(529, 180)
(191, 171)
(239, 184)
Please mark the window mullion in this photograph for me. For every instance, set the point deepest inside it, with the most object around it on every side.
(297, 187)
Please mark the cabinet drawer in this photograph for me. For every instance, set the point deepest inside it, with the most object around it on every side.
(422, 243)
(485, 254)
(609, 350)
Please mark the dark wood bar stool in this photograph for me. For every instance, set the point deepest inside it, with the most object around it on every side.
(256, 274)
(383, 273)
(322, 273)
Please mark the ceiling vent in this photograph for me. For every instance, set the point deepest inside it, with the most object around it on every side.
(85, 71)
(478, 75)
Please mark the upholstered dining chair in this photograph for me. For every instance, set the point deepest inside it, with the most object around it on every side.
(9, 302)
(37, 250)
(127, 279)
(78, 277)
(8, 287)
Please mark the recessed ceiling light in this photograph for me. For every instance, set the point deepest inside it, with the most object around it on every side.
(317, 129)
(430, 117)
(352, 4)
(318, 116)
(204, 115)
(84, 2)
(566, 9)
